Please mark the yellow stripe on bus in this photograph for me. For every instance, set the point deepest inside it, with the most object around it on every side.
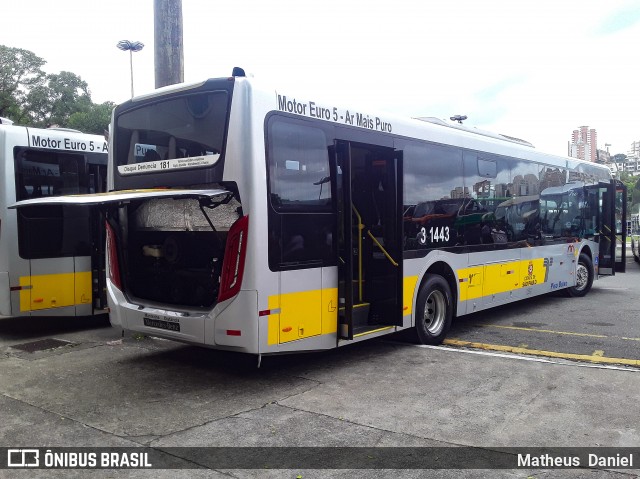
(486, 280)
(55, 290)
(312, 313)
(302, 314)
(408, 290)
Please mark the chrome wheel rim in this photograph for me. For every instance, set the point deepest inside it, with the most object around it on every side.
(435, 308)
(582, 277)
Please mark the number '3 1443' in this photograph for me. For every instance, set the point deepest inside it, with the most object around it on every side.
(434, 235)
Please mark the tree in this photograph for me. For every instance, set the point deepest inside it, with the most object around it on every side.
(20, 71)
(53, 102)
(633, 187)
(30, 97)
(94, 120)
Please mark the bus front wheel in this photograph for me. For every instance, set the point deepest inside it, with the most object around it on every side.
(584, 277)
(434, 310)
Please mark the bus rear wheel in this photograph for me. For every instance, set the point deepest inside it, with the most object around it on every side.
(434, 310)
(584, 277)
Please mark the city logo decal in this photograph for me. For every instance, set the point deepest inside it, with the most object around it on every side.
(530, 279)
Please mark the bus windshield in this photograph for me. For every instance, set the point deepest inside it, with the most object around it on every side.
(182, 133)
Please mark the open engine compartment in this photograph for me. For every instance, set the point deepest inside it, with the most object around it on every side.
(175, 249)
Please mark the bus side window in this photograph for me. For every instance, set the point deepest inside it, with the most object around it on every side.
(301, 220)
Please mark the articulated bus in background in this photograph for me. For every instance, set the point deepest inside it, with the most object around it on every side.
(252, 220)
(51, 257)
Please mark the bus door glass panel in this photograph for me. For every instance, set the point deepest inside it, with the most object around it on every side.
(621, 226)
(345, 228)
(601, 199)
(301, 225)
(590, 212)
(371, 245)
(97, 177)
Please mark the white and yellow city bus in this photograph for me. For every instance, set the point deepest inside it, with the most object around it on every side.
(248, 219)
(51, 259)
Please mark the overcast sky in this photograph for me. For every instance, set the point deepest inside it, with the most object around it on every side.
(536, 70)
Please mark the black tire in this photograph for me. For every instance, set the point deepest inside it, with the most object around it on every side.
(584, 277)
(434, 310)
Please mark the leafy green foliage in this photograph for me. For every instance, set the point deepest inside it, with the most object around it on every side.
(19, 72)
(30, 97)
(633, 187)
(53, 102)
(94, 119)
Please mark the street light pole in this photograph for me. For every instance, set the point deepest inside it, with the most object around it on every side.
(125, 45)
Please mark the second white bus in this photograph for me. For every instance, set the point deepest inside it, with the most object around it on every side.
(51, 257)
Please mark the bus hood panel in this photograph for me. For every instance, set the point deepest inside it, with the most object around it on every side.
(125, 196)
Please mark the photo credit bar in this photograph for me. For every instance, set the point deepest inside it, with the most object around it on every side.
(298, 458)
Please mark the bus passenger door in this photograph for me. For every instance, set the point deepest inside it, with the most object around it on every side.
(369, 203)
(601, 198)
(98, 184)
(345, 240)
(621, 226)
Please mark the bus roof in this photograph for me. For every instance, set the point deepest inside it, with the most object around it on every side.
(422, 128)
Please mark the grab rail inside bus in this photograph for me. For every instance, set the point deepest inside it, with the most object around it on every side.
(384, 251)
(361, 227)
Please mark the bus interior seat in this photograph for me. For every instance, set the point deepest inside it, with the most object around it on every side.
(135, 138)
(151, 155)
(171, 151)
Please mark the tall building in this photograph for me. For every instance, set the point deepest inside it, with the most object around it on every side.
(632, 163)
(584, 144)
(634, 151)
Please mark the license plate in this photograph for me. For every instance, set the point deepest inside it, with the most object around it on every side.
(160, 324)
